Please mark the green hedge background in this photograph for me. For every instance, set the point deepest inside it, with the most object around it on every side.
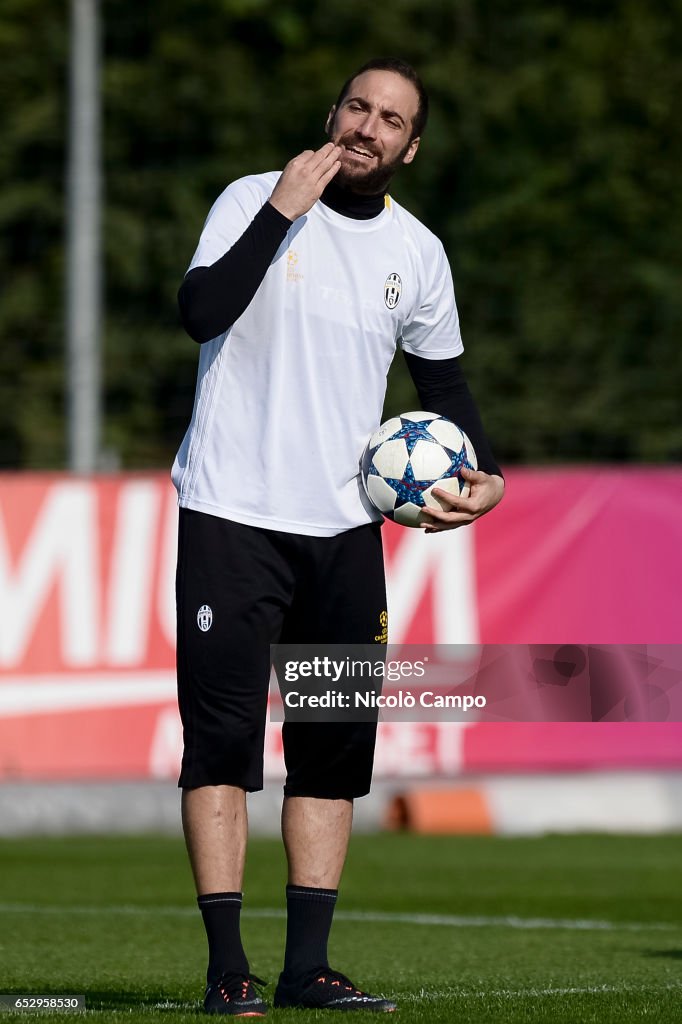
(550, 169)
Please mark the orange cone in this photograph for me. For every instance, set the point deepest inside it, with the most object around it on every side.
(458, 811)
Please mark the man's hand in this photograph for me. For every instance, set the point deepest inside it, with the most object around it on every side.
(486, 491)
(304, 179)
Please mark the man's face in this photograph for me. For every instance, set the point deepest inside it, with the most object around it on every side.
(373, 126)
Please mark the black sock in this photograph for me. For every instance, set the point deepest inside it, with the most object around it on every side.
(309, 920)
(220, 911)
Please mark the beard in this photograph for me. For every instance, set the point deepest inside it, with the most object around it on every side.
(367, 181)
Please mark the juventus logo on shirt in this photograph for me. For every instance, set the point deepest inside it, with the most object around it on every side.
(392, 290)
(204, 618)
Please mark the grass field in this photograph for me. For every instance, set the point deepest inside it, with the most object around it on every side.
(557, 929)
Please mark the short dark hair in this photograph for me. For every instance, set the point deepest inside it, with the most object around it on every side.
(405, 70)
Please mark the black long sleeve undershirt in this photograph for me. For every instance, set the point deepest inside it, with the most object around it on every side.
(442, 388)
(212, 298)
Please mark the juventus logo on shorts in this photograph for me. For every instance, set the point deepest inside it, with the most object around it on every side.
(204, 618)
(392, 290)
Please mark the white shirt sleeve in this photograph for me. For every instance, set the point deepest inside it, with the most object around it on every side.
(228, 219)
(433, 332)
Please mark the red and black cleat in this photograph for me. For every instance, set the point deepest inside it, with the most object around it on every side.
(235, 994)
(326, 989)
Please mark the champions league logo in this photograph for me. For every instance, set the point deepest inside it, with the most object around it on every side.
(392, 290)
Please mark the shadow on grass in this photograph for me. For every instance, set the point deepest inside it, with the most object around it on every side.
(672, 954)
(118, 999)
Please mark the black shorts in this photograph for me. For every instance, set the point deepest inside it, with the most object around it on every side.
(240, 589)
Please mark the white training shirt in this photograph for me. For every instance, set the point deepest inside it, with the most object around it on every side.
(287, 398)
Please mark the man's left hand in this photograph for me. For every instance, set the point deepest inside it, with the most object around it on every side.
(485, 493)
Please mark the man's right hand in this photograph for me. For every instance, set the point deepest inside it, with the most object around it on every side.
(304, 179)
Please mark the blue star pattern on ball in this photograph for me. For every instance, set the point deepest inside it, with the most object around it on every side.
(411, 432)
(409, 489)
(407, 456)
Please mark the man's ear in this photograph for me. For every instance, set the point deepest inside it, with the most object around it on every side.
(411, 151)
(330, 121)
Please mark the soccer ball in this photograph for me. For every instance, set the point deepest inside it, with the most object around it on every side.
(407, 456)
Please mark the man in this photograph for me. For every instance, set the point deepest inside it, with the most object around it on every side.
(287, 295)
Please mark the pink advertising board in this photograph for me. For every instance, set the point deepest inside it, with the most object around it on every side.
(575, 556)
